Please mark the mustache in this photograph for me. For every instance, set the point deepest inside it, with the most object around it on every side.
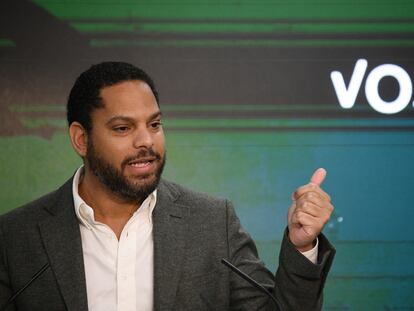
(142, 153)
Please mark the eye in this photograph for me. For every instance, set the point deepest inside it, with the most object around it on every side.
(156, 125)
(121, 129)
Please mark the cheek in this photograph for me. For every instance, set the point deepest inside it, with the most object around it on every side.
(112, 147)
(159, 142)
(113, 150)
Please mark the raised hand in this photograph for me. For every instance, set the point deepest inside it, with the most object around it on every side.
(309, 212)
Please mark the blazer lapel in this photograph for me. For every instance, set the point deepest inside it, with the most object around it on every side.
(62, 241)
(170, 227)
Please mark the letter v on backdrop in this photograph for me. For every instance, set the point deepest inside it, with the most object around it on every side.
(347, 95)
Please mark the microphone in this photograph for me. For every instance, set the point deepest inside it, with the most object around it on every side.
(21, 290)
(251, 281)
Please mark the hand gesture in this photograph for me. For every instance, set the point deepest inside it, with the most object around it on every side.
(309, 212)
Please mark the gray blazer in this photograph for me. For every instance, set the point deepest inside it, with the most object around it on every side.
(192, 232)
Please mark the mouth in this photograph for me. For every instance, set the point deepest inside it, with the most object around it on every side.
(142, 165)
(142, 162)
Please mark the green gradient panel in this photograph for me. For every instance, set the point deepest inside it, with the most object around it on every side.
(334, 28)
(338, 9)
(254, 43)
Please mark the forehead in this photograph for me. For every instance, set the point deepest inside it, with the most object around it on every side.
(128, 98)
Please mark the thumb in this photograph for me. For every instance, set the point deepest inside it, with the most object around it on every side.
(318, 176)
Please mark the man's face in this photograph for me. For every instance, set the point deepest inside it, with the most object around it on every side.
(126, 144)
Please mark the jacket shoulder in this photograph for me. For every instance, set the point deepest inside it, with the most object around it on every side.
(185, 196)
(35, 209)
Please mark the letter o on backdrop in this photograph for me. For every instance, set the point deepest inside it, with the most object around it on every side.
(372, 93)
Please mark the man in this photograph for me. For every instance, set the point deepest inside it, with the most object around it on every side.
(117, 237)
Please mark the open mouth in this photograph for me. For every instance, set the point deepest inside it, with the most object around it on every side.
(142, 163)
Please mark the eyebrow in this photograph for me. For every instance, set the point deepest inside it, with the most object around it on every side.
(129, 119)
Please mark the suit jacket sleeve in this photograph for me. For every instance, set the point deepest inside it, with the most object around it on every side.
(298, 283)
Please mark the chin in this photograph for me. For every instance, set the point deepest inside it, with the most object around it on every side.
(147, 181)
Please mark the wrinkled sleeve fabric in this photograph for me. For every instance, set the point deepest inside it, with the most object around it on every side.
(298, 283)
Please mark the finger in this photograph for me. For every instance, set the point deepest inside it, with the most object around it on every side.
(318, 176)
(322, 212)
(310, 188)
(312, 197)
(292, 209)
(312, 226)
(304, 219)
(310, 208)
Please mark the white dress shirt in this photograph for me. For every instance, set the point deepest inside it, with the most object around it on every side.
(119, 274)
(312, 254)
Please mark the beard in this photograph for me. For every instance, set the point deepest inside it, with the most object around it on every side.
(134, 189)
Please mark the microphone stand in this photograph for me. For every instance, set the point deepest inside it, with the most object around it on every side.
(21, 290)
(252, 282)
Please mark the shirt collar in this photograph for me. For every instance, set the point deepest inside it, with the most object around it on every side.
(85, 213)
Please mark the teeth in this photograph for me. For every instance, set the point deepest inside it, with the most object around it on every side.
(140, 164)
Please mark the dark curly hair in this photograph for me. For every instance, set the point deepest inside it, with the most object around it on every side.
(85, 94)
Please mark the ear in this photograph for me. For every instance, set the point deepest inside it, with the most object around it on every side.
(78, 138)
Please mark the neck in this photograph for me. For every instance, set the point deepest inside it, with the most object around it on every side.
(108, 208)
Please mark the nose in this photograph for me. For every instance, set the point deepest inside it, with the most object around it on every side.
(143, 138)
